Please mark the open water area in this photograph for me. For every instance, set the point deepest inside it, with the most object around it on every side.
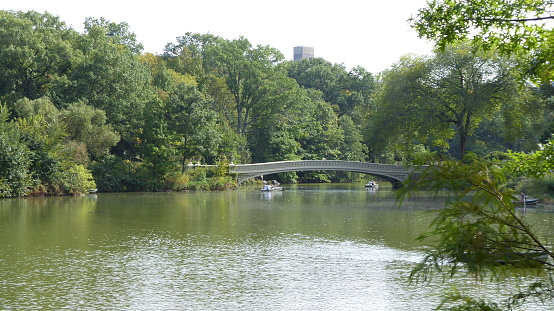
(310, 247)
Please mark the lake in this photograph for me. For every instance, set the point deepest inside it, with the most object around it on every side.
(310, 247)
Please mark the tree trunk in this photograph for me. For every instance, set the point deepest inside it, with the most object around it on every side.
(463, 142)
(239, 119)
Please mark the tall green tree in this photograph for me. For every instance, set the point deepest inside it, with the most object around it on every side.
(276, 136)
(157, 146)
(196, 126)
(187, 55)
(36, 50)
(108, 76)
(250, 74)
(434, 100)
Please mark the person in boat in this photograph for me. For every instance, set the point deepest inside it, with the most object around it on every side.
(523, 196)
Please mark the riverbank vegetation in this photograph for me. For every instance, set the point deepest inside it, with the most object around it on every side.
(480, 230)
(84, 110)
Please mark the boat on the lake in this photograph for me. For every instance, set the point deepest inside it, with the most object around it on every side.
(527, 259)
(371, 184)
(523, 259)
(271, 188)
(527, 201)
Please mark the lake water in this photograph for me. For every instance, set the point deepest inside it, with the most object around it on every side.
(310, 247)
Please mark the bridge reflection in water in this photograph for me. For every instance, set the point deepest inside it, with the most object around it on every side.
(396, 174)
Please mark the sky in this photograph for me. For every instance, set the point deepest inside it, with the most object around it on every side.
(373, 34)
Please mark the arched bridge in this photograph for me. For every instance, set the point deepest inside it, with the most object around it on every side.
(393, 173)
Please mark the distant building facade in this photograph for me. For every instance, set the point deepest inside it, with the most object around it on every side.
(301, 52)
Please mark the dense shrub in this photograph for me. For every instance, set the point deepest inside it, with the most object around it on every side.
(74, 179)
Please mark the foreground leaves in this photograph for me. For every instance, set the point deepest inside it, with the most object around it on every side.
(479, 229)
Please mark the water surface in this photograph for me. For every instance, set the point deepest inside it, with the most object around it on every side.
(310, 247)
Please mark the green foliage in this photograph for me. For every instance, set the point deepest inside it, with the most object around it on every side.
(479, 229)
(441, 101)
(119, 33)
(35, 52)
(113, 174)
(534, 164)
(196, 127)
(512, 27)
(351, 147)
(72, 179)
(15, 159)
(88, 125)
(455, 301)
(250, 74)
(341, 89)
(209, 178)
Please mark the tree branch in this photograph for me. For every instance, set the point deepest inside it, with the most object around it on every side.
(518, 20)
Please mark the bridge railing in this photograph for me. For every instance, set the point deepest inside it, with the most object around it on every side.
(389, 171)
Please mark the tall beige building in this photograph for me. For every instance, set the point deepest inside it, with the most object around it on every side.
(301, 52)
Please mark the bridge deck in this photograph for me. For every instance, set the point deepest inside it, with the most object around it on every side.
(395, 173)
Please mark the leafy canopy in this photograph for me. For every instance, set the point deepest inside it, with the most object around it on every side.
(518, 27)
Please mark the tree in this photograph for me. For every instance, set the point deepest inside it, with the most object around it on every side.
(40, 119)
(165, 79)
(15, 159)
(535, 164)
(120, 33)
(512, 26)
(157, 146)
(341, 89)
(250, 74)
(244, 82)
(195, 125)
(41, 57)
(187, 56)
(431, 100)
(107, 76)
(36, 50)
(276, 136)
(352, 147)
(87, 125)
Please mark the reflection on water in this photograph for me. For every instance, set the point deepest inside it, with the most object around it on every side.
(324, 247)
(269, 195)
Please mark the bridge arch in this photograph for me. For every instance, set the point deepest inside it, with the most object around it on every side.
(396, 174)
